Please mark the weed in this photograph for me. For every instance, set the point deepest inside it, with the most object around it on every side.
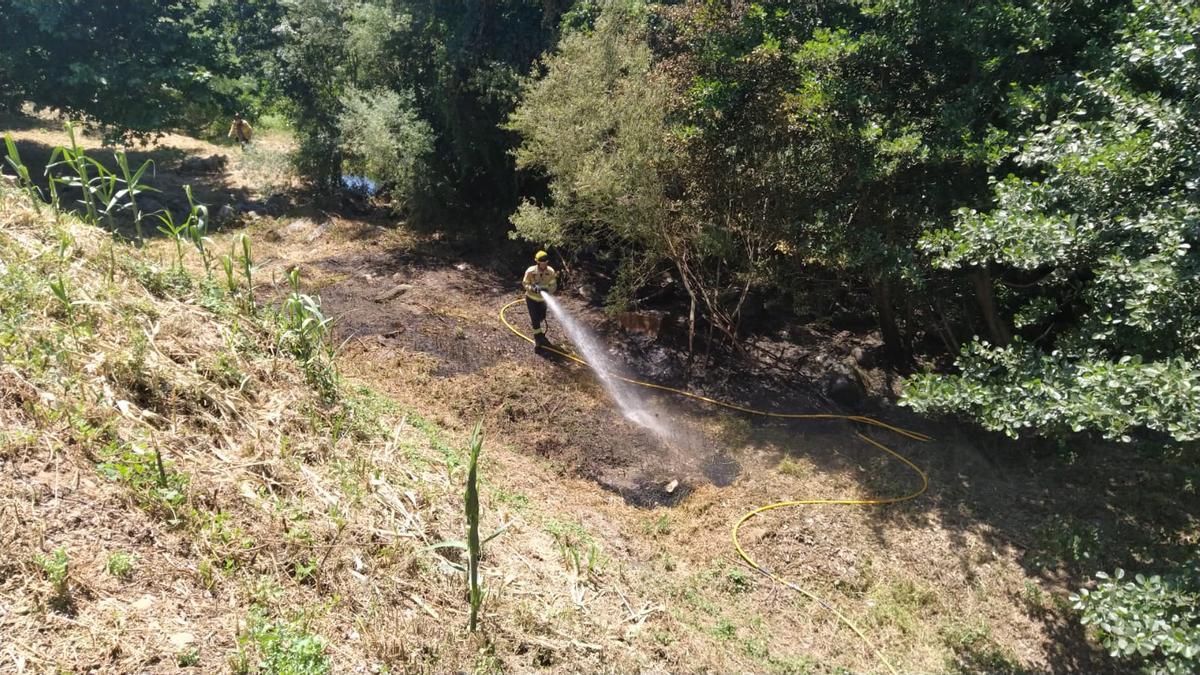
(471, 502)
(134, 187)
(57, 568)
(658, 527)
(579, 551)
(434, 436)
(285, 647)
(144, 472)
(197, 229)
(517, 500)
(174, 282)
(796, 469)
(1033, 596)
(898, 604)
(1064, 540)
(22, 172)
(304, 569)
(247, 265)
(975, 651)
(736, 430)
(724, 629)
(305, 333)
(189, 658)
(120, 565)
(266, 591)
(208, 575)
(738, 581)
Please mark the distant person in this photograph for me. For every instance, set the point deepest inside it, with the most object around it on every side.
(240, 130)
(538, 278)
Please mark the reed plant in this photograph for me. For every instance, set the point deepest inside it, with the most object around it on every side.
(471, 499)
(22, 173)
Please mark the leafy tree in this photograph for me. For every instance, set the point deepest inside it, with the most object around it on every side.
(135, 65)
(311, 70)
(462, 63)
(1101, 225)
(382, 137)
(597, 124)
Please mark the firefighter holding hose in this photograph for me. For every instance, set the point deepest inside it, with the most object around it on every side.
(538, 278)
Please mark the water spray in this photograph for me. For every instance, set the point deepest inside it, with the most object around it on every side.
(634, 407)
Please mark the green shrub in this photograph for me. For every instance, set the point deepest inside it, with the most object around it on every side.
(1154, 621)
(58, 570)
(287, 648)
(120, 565)
(383, 139)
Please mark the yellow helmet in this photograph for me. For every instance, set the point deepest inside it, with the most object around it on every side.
(540, 256)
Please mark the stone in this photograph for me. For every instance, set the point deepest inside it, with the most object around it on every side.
(393, 292)
(208, 164)
(842, 385)
(863, 358)
(181, 640)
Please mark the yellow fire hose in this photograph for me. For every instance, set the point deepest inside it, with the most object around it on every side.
(913, 435)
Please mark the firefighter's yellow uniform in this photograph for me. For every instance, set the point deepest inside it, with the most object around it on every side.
(539, 277)
(546, 279)
(240, 130)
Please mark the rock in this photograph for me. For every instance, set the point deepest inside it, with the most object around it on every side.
(672, 485)
(863, 358)
(317, 232)
(181, 640)
(226, 214)
(208, 164)
(394, 291)
(645, 323)
(842, 385)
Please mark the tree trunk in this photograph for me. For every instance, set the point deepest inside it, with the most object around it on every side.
(981, 277)
(894, 344)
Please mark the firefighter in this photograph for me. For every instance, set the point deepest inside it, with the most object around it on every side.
(538, 278)
(240, 130)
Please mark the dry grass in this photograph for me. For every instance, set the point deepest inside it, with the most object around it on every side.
(289, 508)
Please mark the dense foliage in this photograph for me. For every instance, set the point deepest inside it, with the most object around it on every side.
(1102, 220)
(1014, 183)
(1151, 620)
(433, 80)
(138, 66)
